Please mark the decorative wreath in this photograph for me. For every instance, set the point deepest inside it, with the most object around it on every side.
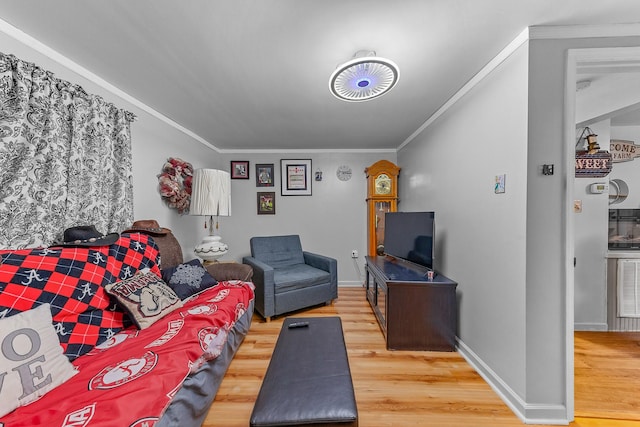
(175, 183)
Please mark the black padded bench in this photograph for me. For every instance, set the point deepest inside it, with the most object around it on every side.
(308, 381)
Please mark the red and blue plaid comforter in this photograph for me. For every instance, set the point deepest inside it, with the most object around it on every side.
(72, 280)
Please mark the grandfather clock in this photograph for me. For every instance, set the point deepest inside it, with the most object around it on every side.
(382, 197)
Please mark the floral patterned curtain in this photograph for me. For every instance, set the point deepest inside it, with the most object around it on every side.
(65, 158)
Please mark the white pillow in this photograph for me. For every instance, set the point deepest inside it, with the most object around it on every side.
(31, 358)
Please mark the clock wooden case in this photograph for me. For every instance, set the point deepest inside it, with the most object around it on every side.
(382, 197)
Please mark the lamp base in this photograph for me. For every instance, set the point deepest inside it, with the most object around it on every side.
(211, 248)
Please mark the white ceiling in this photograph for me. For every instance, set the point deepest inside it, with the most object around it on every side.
(254, 75)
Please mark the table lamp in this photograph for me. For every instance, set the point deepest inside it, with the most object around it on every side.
(211, 196)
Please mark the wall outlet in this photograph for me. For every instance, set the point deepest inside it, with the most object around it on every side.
(354, 254)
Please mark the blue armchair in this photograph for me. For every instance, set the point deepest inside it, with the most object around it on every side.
(288, 278)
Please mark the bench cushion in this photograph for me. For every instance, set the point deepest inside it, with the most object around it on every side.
(308, 381)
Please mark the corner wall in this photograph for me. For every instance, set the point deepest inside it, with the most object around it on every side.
(480, 235)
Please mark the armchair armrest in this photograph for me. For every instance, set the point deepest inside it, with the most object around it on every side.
(230, 271)
(324, 263)
(265, 287)
(320, 261)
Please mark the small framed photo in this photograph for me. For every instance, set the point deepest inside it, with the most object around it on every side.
(264, 175)
(239, 169)
(266, 203)
(498, 187)
(295, 177)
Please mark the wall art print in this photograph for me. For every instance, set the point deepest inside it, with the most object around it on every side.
(296, 177)
(267, 203)
(239, 169)
(264, 175)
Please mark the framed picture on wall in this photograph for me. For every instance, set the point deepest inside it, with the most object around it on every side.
(266, 203)
(295, 177)
(264, 175)
(239, 169)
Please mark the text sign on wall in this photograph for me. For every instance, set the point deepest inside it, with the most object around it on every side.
(594, 165)
(623, 151)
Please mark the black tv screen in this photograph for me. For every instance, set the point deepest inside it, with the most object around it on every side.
(410, 236)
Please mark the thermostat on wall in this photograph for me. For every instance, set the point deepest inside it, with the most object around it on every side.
(599, 188)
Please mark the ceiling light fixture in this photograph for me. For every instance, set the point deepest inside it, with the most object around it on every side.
(364, 77)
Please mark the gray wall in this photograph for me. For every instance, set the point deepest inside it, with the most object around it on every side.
(480, 236)
(332, 221)
(508, 252)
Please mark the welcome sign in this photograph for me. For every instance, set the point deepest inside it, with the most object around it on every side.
(623, 151)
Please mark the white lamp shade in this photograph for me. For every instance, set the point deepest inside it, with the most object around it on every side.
(211, 193)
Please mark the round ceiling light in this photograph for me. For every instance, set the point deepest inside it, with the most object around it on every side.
(364, 77)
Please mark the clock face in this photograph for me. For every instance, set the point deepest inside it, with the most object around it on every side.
(344, 173)
(383, 184)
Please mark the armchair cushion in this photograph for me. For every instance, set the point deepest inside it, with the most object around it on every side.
(298, 276)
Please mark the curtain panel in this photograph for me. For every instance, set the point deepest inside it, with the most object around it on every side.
(65, 158)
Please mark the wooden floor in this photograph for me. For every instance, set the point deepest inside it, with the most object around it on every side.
(405, 388)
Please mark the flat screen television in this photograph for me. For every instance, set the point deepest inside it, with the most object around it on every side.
(410, 236)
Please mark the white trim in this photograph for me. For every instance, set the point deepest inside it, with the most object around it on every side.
(310, 150)
(349, 284)
(600, 327)
(56, 56)
(522, 38)
(548, 414)
(531, 33)
(574, 58)
(584, 31)
(569, 125)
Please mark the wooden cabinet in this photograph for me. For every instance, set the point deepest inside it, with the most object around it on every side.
(413, 312)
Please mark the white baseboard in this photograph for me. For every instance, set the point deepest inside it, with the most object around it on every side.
(527, 412)
(350, 284)
(600, 327)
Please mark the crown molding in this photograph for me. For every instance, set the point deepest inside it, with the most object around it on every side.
(521, 39)
(530, 33)
(313, 150)
(583, 31)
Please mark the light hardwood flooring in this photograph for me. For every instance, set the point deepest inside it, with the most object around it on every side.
(407, 388)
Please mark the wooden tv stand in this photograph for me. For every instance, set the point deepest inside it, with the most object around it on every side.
(413, 312)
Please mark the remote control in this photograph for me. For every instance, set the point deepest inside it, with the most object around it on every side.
(298, 325)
